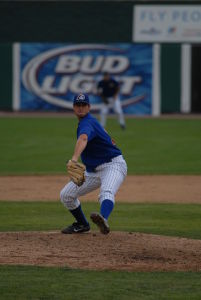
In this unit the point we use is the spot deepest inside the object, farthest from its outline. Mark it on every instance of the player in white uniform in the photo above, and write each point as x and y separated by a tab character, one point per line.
105	169
108	90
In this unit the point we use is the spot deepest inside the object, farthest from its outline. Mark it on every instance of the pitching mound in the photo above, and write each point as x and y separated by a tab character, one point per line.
116	251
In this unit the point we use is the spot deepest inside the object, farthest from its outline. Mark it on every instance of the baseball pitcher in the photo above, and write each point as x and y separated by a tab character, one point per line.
103	166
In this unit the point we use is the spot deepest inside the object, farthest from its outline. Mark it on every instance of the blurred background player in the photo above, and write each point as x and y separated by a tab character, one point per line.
108	90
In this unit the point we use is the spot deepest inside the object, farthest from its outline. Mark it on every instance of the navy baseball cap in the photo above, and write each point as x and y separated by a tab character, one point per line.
81	98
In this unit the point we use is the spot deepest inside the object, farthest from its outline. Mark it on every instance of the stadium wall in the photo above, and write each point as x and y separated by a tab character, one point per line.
6	76
91	22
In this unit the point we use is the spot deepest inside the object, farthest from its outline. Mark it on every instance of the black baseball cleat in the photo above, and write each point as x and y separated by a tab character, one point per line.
100	222
123	126
76	228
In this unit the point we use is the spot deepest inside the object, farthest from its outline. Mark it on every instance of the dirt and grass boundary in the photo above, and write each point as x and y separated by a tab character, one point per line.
117	251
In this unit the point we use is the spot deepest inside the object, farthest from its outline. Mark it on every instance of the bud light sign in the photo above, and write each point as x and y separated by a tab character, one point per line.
51	74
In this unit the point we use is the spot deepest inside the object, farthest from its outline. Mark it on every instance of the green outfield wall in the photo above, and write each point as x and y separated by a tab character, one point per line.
170	78
6	76
71	21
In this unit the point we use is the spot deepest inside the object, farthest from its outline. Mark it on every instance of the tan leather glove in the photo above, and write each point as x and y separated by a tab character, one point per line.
76	172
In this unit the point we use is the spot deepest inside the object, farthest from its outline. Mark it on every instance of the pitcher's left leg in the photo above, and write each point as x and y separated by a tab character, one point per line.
112	175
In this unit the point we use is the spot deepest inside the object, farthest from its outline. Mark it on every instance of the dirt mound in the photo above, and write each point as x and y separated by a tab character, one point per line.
116	251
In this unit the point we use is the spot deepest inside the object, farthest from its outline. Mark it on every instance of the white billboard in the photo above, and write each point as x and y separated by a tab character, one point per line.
167	23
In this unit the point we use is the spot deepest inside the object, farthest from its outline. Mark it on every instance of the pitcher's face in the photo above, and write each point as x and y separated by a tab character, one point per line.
81	109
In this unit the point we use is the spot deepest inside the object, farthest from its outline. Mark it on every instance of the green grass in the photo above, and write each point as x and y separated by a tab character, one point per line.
166	219
150	146
42	283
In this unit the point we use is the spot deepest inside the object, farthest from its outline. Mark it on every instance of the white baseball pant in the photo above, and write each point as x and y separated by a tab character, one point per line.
115	104
108	176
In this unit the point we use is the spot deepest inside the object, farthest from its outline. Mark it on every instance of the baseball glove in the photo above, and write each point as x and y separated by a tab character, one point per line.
76	172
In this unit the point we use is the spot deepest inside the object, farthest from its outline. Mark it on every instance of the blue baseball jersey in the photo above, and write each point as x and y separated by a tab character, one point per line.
108	88
100	148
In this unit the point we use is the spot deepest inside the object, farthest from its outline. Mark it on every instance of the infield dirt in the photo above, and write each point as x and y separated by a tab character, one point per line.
156	188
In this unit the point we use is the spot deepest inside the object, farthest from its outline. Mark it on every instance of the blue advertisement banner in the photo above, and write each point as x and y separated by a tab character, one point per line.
51	74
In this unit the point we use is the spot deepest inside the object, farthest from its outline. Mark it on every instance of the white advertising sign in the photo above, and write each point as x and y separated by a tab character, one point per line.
167	23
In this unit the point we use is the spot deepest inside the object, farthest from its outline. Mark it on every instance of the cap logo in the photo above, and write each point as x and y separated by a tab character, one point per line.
81	97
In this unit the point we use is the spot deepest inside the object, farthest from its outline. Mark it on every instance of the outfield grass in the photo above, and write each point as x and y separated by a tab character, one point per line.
167	219
150	146
22	283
